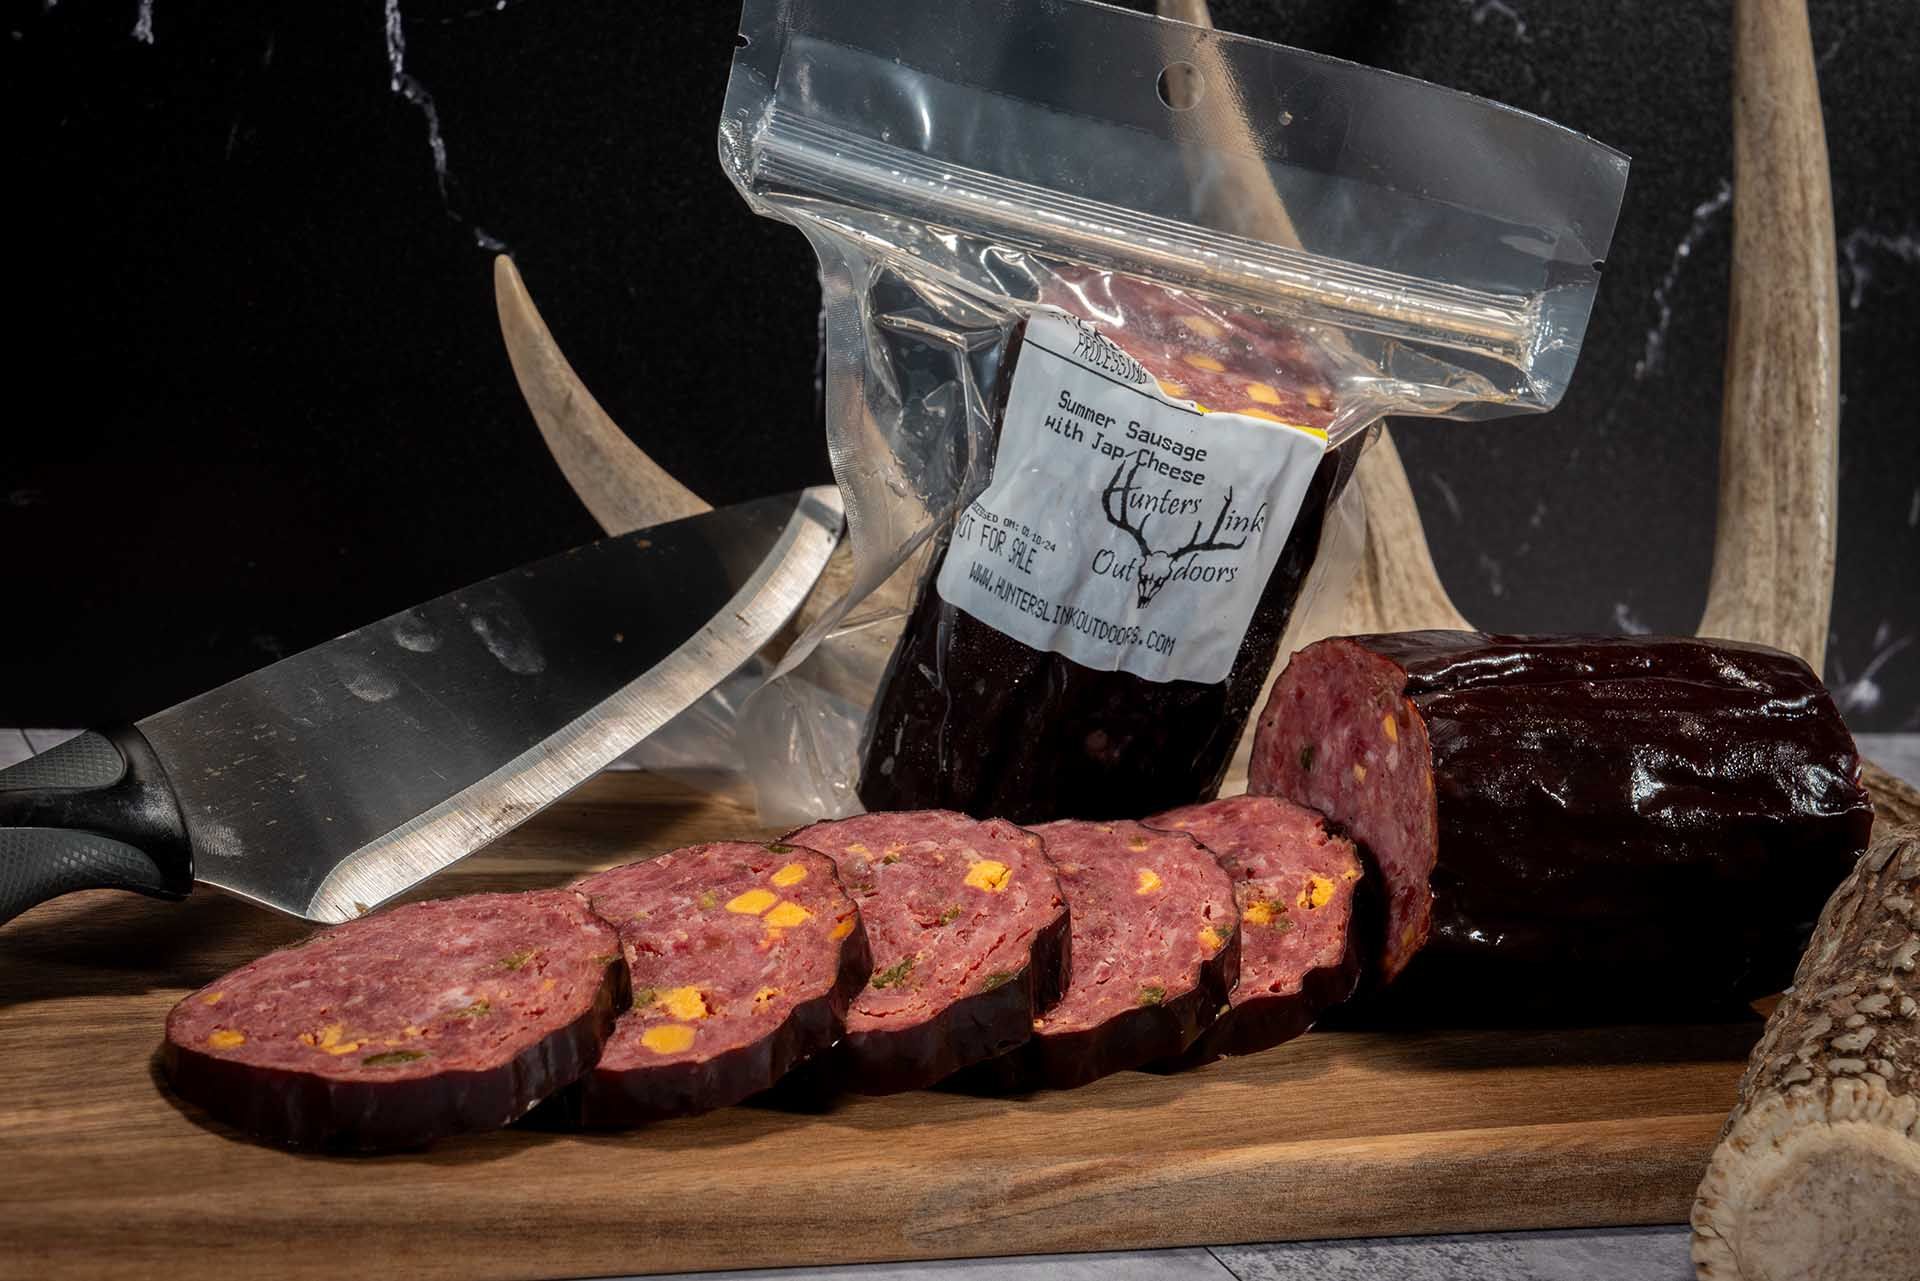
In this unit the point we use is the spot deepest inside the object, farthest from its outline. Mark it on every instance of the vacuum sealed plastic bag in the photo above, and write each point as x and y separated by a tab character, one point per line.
1110	303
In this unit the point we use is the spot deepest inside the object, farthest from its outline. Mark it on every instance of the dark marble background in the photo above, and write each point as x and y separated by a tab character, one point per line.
259	397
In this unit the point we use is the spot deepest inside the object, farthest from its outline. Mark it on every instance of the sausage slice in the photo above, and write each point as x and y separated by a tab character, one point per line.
744	958
1295	885
969	935
1156	950
424	1021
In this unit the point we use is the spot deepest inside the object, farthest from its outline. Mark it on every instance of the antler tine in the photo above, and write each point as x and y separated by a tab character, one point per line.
1242	181
622	487
1780	418
614	478
1397	587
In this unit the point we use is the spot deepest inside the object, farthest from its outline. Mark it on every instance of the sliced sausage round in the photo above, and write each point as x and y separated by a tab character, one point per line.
744	958
969	935
1295	885
427	1020
1156	950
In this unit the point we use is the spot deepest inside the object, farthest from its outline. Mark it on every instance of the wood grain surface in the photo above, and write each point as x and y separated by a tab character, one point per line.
1337	1134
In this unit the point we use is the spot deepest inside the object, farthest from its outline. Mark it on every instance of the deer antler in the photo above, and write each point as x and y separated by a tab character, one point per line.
622	487
1396	588
1773	549
1772	576
1121	521
1780	418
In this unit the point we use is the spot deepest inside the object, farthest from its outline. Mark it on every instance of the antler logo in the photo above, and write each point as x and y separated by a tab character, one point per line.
1156	568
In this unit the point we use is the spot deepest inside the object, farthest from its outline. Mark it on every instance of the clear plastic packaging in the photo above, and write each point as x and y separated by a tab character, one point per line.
1232	250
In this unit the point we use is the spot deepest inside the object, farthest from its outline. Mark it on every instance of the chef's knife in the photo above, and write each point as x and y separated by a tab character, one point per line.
335	779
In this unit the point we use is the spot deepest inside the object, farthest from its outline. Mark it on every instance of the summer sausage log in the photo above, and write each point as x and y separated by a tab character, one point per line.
428	1020
744	959
1670	811
968	718
1156	949
969	936
1295	885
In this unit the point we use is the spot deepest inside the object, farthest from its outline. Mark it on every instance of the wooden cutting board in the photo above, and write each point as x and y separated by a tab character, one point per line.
1336	1134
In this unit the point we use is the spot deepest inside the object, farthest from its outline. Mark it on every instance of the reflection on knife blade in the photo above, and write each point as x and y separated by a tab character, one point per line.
334	779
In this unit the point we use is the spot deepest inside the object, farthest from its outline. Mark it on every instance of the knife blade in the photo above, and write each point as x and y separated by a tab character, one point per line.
329	782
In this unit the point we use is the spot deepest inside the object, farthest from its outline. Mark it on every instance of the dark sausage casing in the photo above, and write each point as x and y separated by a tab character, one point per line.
1623	819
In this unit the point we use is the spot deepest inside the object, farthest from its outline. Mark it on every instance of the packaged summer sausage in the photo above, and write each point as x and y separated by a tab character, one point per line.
1110	303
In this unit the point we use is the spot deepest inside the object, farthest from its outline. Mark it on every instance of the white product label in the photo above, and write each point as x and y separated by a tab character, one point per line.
1124	529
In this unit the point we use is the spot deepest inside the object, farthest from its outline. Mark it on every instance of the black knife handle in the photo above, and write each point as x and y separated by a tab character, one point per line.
96	812
39	863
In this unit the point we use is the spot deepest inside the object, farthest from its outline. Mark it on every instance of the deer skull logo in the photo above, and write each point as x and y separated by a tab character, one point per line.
1156	567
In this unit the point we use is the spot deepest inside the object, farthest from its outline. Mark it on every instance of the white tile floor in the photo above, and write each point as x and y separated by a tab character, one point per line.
1603	1254
1138	1265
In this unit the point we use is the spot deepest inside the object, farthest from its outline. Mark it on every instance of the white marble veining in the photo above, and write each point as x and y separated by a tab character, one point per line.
1481	10
483	11
1493	572
1627	621
404	84
1862	693
408	87
1859	249
1705	214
